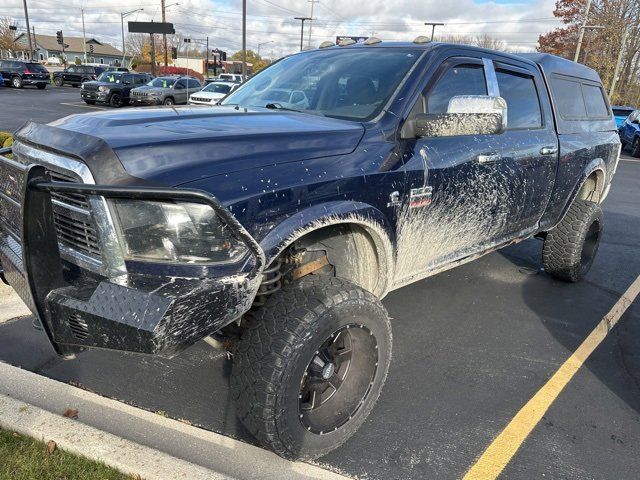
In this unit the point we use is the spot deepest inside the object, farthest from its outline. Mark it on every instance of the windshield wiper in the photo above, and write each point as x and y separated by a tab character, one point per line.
278	106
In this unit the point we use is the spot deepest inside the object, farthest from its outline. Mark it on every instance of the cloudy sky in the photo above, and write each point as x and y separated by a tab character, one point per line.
517	22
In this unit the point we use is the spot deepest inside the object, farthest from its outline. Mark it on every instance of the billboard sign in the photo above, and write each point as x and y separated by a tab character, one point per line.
151	27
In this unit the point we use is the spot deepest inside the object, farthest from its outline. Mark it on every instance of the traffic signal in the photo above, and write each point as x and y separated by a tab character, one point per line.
59	37
91	48
223	56
174	52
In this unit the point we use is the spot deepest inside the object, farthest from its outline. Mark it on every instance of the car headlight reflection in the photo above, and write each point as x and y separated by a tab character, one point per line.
178	232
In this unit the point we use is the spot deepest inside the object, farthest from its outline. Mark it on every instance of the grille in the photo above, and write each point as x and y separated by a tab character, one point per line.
78	326
200	99
73	221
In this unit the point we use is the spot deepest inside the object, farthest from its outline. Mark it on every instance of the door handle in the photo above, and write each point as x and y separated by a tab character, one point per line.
548	150
488	158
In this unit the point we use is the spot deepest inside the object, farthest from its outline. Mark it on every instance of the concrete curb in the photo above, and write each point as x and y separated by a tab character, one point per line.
75	437
135	440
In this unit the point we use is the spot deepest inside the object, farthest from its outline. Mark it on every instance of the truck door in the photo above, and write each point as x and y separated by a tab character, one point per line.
465	193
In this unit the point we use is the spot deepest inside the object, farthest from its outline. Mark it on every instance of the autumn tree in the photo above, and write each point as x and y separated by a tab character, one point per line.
253	58
7	35
601	46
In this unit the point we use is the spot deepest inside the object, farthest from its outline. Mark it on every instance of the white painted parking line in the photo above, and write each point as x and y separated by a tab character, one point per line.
632	160
82	105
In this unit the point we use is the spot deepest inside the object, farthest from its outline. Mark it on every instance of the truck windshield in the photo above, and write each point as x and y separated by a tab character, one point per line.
352	84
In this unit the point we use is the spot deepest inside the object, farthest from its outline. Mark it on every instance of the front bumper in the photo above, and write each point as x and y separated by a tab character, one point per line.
153	311
146	100
93	96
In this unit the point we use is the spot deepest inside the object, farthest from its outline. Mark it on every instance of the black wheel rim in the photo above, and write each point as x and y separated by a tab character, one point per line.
338	379
115	100
590	246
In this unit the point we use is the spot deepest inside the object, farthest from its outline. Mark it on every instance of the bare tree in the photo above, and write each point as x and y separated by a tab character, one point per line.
7	35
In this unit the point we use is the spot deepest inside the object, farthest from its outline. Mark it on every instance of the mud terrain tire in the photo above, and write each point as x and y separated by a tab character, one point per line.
274	367
569	249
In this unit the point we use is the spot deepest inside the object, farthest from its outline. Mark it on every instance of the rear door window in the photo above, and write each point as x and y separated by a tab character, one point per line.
523	106
568	98
595	102
193	83
459	80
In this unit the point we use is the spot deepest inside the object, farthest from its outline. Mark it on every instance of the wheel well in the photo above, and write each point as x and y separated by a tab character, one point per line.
346	250
592	187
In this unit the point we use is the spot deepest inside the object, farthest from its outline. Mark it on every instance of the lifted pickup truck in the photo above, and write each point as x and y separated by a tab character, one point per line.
277	228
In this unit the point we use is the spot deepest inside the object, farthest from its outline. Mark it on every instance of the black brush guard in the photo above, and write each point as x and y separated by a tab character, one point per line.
153	314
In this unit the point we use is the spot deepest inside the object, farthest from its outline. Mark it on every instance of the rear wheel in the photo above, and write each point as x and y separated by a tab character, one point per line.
310	366
58	81
570	248
16	82
635	147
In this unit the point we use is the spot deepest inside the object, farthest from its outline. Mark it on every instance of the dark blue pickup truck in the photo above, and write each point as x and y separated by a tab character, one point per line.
276	221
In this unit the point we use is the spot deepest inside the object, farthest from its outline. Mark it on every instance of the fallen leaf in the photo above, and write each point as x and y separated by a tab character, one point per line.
51	447
71	413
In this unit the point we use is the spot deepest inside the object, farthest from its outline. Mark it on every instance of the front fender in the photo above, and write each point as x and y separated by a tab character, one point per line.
334	213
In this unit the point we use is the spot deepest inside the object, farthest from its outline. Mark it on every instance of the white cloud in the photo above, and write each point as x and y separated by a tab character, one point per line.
518	24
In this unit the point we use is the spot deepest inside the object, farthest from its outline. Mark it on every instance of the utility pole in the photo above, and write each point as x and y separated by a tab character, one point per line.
619	62
26	20
153	54
582	28
433	27
244	40
84	37
302	20
164	35
206	65
312	2
35	54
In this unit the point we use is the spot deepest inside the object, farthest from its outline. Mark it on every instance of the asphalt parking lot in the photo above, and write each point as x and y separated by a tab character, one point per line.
471	347
29	103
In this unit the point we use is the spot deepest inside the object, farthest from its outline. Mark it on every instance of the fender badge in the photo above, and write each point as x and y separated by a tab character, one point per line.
420	197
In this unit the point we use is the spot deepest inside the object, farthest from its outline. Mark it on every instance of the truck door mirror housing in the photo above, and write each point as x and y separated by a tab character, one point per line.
466	115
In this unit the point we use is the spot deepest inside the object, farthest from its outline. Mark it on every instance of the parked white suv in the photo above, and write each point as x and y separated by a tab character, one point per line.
212	93
230	77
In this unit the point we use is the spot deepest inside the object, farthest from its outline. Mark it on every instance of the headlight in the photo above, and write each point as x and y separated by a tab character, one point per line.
102	88
82	86
178	232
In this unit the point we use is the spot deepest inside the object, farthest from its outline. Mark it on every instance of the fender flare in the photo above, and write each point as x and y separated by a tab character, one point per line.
372	220
594	166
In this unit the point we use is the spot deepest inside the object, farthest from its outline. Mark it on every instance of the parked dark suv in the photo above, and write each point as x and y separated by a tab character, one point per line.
18	74
113	88
76	75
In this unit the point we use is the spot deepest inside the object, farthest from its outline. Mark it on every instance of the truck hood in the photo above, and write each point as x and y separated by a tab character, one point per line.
172	146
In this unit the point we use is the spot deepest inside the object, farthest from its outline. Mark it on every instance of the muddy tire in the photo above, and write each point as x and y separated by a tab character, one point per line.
635	147
569	249
310	366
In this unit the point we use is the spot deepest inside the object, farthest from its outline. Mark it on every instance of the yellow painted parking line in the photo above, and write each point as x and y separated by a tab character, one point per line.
500	452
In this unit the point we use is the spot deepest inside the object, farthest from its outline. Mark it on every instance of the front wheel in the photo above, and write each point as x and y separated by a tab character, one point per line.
570	248
58	81
168	101
310	366
115	100
41	86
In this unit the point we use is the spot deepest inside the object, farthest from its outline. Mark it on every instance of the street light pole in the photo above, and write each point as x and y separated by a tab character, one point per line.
263	43
302	20
582	28
122	15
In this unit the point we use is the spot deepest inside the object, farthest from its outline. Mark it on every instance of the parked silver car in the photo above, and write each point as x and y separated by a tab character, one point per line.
169	90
